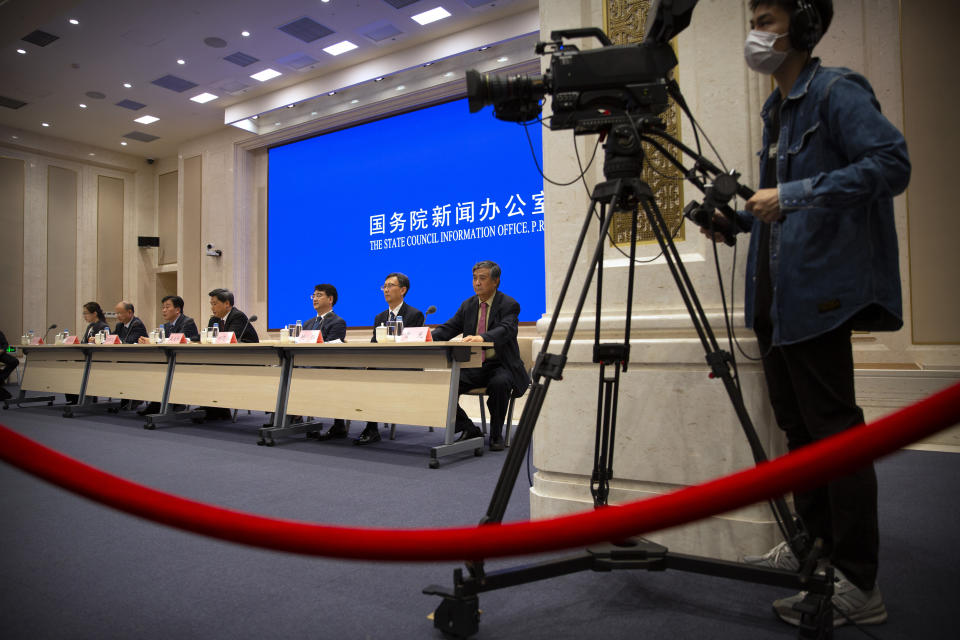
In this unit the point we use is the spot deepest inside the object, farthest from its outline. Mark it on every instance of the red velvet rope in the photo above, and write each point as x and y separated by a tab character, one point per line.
803	468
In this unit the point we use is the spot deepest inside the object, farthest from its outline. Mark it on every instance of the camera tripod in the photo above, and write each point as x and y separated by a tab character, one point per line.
624	190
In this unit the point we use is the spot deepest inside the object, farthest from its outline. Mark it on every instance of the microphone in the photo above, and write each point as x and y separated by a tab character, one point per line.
47	332
430	309
252	318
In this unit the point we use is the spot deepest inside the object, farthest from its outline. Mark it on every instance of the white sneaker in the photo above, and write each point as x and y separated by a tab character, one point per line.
780	557
850	604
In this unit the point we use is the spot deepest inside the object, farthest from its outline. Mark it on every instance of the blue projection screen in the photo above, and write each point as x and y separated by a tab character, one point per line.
427	193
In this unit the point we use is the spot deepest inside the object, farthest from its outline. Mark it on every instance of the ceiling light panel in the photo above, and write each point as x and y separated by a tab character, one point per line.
146	119
431	16
204	98
340	47
265	75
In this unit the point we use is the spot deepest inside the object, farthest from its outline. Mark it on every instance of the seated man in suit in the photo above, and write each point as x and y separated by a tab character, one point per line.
130	328
331	326
395	288
229	318
489	316
174	321
9	365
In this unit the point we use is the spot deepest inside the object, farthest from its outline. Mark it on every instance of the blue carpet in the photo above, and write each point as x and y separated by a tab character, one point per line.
70	568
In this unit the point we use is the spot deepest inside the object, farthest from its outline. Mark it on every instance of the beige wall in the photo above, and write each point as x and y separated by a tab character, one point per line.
11	256
62	199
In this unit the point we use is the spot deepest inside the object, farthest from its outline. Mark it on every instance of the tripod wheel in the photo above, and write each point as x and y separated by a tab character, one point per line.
458	617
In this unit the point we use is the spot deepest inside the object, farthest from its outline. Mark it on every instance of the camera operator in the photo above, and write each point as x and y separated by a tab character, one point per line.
823	261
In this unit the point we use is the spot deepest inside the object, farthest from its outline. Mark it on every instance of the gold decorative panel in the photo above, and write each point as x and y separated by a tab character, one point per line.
624	22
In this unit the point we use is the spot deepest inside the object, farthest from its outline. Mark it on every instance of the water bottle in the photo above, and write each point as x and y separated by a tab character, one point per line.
30	337
399	326
299	329
215	331
161	334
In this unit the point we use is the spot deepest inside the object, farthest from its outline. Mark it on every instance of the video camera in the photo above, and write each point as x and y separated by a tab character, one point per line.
596	89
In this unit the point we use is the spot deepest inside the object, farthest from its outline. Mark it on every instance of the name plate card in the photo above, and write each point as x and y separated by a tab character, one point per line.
225	337
415	334
71	340
36	340
176	338
112	339
312	336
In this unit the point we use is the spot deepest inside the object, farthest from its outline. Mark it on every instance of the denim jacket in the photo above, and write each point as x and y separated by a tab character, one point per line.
833	255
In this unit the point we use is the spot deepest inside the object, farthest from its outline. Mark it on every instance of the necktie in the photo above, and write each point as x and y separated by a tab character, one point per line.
393	316
482	328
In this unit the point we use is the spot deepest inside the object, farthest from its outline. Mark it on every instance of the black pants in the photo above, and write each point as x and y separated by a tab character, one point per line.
811	390
496	378
9	364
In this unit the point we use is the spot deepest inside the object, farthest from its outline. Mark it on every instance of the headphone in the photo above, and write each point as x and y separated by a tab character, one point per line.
806	26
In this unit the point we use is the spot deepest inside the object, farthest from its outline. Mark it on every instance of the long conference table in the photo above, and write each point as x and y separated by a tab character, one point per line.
400	383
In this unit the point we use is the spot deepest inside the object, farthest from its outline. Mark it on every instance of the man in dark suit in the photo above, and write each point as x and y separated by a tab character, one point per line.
229	318
171	310
130	328
174	321
332	327
395	288
489	316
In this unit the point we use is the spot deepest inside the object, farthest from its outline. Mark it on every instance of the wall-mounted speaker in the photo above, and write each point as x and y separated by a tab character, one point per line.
148	241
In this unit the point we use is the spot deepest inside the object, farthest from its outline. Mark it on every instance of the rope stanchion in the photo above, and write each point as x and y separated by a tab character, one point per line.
804	468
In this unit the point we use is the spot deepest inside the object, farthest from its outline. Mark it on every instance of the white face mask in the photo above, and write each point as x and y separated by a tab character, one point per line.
759	53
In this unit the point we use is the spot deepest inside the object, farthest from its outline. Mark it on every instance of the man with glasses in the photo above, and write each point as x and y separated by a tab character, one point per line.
395	288
332	327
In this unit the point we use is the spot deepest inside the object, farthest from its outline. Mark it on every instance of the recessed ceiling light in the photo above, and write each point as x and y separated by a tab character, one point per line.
21	51
203	98
340	47
378	79
331	93
448	74
291	106
146	119
276	124
74	21
265	75
502	59
245	34
483	48
91	154
15	137
181	61
428	64
123	144
254	117
313	113
127	85
431	16
45	124
401	88
83	106
354	101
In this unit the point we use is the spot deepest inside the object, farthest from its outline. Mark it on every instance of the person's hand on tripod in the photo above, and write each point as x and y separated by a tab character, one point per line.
720	227
765	205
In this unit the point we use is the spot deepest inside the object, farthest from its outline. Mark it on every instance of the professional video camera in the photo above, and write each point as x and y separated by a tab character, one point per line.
596	89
